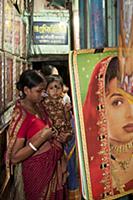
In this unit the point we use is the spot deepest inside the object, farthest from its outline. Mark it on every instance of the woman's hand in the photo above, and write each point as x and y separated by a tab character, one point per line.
63	137
20	152
47	133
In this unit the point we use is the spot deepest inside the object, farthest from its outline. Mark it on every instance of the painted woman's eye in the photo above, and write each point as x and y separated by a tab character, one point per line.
117	102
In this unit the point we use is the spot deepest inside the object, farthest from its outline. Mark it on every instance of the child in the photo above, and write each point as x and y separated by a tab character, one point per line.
66	98
58	111
58	106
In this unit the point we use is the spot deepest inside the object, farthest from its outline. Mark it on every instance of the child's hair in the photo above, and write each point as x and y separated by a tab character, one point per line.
52	78
47	70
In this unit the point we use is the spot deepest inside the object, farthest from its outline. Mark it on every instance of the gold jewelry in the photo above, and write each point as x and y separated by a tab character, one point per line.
121	148
124	164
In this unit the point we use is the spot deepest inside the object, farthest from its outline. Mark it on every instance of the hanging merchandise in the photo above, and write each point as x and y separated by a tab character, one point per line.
8	79
111	23
8	26
97	36
83	28
2	82
16	33
1	23
23	39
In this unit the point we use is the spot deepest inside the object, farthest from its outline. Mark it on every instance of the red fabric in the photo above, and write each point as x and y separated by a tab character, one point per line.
38	172
91	118
31	124
43	175
35	126
128	187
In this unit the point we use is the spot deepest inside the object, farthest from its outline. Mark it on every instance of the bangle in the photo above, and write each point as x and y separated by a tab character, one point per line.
32	146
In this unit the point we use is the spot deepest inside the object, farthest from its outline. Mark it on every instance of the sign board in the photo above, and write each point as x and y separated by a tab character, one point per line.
51	32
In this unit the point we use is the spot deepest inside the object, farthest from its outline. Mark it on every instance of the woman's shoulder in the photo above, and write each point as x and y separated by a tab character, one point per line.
21	120
18	111
18	117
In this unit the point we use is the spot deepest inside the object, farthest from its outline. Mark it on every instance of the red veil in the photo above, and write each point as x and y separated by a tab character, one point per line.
96	132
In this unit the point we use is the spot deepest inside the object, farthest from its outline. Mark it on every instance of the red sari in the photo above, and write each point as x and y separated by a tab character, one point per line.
44	175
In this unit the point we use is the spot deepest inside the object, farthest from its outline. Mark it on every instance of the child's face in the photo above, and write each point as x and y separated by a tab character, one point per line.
54	89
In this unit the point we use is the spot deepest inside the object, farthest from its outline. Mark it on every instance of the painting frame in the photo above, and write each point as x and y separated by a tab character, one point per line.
77	79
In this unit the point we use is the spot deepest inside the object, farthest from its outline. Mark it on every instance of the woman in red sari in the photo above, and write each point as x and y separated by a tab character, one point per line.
108	118
37	162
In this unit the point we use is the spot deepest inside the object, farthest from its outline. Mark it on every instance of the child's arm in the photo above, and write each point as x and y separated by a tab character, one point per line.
68	108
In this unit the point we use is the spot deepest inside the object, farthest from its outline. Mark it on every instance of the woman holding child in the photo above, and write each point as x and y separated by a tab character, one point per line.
31	149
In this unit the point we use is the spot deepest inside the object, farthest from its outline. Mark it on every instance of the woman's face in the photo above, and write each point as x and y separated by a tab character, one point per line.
119	114
35	93
54	89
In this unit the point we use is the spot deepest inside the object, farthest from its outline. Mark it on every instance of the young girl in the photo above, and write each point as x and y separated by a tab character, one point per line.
58	111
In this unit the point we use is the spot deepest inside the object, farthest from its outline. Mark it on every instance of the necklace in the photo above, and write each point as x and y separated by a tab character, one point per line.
124	164
121	148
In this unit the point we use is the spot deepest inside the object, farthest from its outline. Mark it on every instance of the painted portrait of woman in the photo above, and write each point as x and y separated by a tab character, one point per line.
108	121
119	111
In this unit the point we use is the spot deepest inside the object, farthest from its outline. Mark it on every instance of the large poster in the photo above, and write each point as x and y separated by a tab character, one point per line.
3	142
18	72
23	40
1	22
103	118
8	79
16	33
8	26
2	72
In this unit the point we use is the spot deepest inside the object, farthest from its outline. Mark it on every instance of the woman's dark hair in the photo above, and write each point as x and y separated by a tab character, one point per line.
112	70
30	79
46	70
54	77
